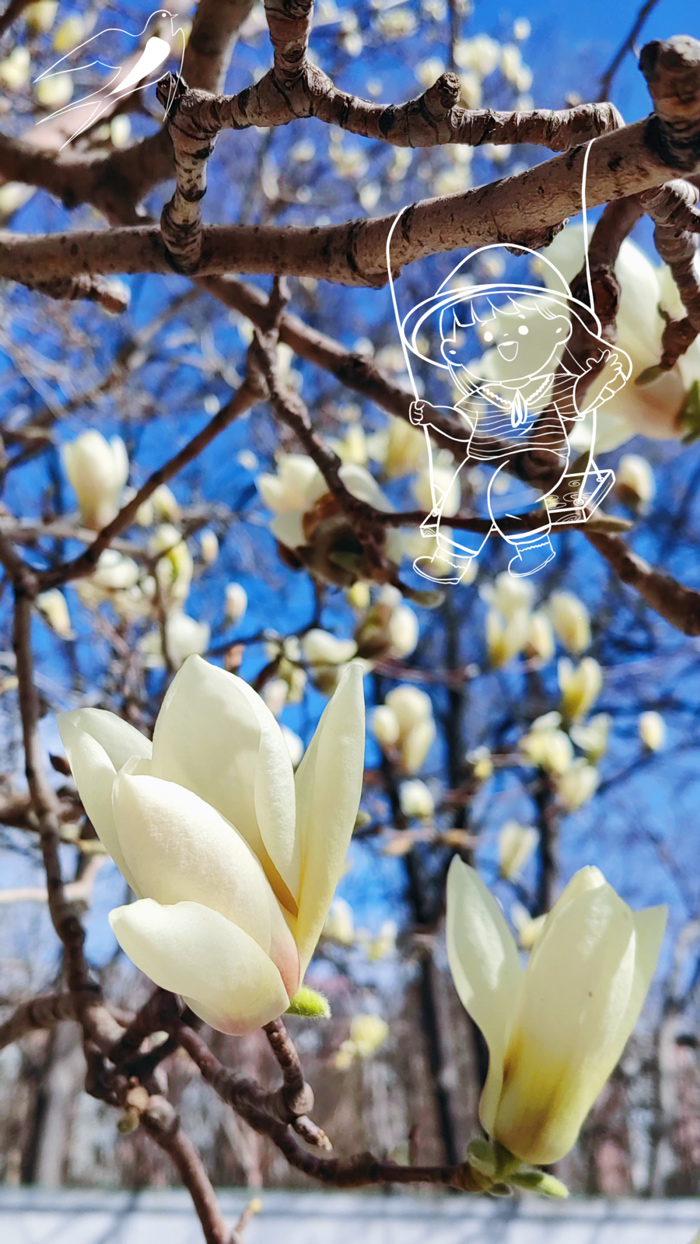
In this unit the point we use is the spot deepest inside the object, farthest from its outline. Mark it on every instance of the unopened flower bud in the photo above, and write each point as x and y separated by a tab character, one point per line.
652	730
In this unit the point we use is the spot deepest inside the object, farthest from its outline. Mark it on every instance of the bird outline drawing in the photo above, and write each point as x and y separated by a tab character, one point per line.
134	64
517	389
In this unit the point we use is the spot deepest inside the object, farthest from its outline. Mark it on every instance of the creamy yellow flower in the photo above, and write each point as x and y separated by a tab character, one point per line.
98	470
412	712
556	1030
505	639
540	637
577	785
184	637
516	844
652	730
580	686
570	621
236	599
233	858
54	608
416	799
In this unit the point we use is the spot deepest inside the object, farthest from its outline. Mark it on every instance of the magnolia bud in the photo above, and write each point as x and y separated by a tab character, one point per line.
635	480
515	846
415	799
55	91
209	547
577	785
592	737
505	639
340	923
184	637
579	685
68	34
570	621
403	631
481	762
319	647
540	637
236	602
54	607
41	16
295	746
15	69
385	726
527	927
548	749
652	730
98	471
510	596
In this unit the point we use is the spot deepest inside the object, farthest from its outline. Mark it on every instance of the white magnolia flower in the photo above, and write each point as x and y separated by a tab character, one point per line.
652	730
319	647
546	746
233	858
405	722
400	449
527	927
388	629
592	737
577	785
580	686
511	597
98	470
516	844
447	486
505	638
540	637
41	15
556	1030
184	637
321	534
654	409
161	507
570	621
416	799
174	570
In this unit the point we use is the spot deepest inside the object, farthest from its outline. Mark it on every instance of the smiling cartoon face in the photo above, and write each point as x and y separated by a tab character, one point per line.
519	339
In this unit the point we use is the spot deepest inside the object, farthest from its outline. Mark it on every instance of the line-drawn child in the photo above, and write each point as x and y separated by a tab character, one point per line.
522	396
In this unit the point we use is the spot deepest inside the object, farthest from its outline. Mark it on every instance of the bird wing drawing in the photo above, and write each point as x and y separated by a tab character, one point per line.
134	65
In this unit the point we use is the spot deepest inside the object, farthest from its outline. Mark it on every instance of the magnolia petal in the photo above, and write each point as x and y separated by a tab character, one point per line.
97	744
328	791
179	849
649	928
224	975
565	1036
288	528
485	967
216	736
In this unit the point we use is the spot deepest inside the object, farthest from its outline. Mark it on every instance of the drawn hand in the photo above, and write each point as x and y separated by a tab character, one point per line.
416	412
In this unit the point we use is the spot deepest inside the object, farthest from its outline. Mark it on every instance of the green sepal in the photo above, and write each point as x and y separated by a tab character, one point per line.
539	1181
309	1003
481	1157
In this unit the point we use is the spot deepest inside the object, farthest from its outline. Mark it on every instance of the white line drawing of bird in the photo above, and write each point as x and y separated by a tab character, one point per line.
141	68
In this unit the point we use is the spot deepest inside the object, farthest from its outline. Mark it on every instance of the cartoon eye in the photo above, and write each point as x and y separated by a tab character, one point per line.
488	336
559	330
523	330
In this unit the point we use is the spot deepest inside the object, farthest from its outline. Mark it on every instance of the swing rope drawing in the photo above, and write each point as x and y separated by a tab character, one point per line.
529	404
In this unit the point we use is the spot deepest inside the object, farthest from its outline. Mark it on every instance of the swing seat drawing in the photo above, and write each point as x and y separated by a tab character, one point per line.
580	494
